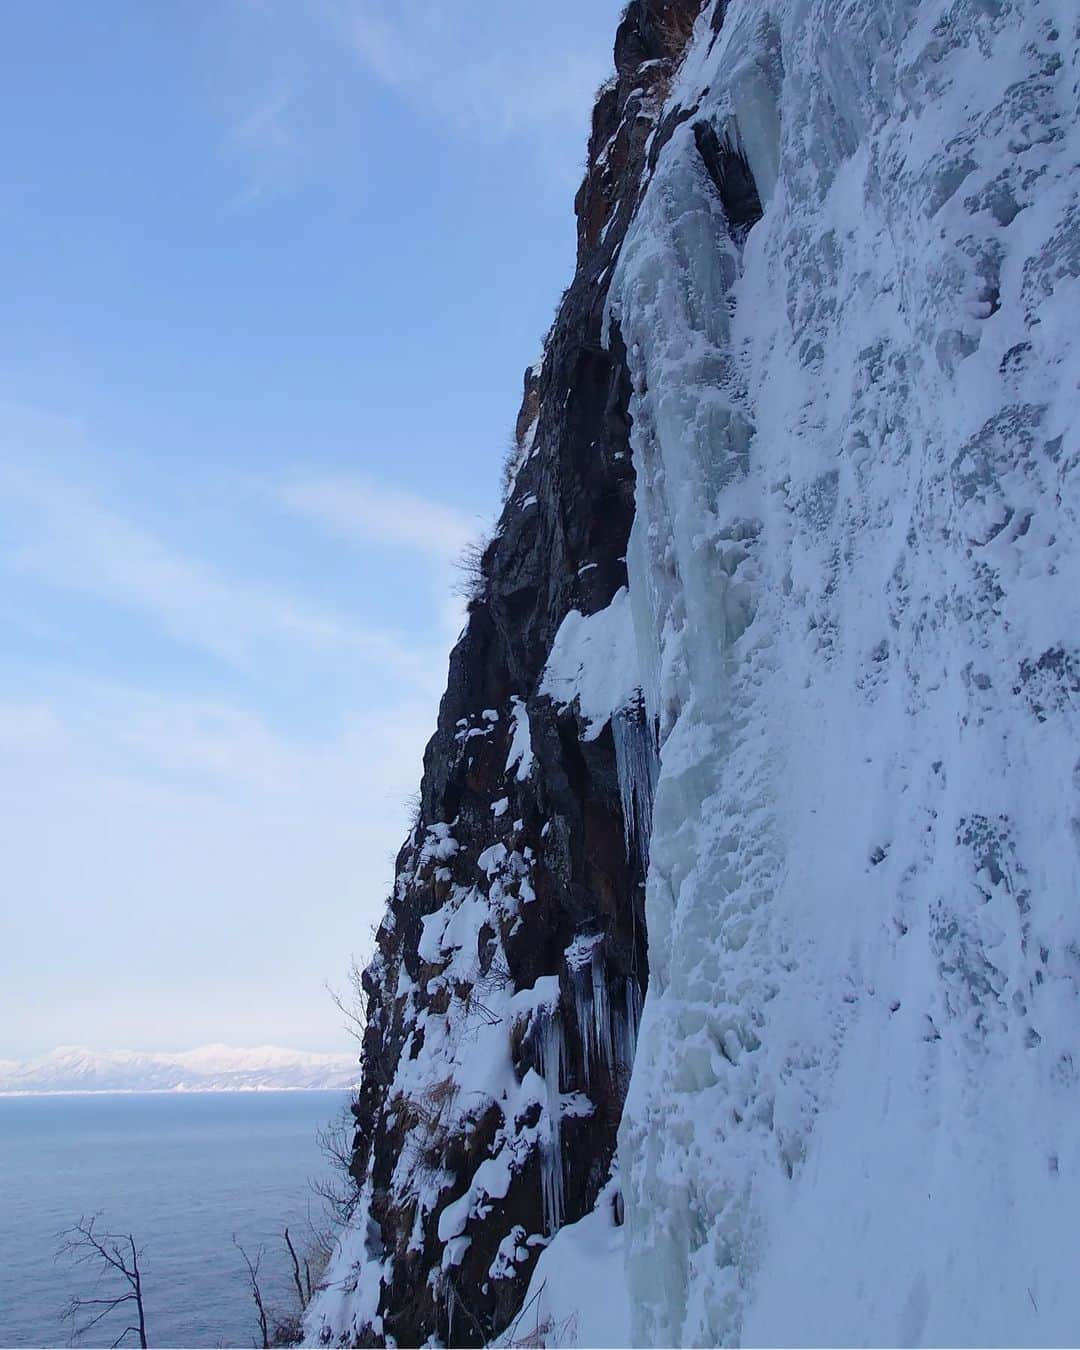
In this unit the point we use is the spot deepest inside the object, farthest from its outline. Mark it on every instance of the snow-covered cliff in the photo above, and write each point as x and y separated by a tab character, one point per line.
837	282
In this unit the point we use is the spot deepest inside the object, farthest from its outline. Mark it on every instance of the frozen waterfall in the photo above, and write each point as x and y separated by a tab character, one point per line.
855	581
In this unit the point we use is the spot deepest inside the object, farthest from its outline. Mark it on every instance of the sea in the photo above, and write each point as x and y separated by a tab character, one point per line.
185	1174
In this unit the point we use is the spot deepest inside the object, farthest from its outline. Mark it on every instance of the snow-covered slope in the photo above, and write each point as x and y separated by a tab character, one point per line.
840	300
210	1068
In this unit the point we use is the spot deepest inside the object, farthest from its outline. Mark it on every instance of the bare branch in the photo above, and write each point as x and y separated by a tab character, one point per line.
296	1271
82	1244
342	1200
256	1292
352	1004
340	1190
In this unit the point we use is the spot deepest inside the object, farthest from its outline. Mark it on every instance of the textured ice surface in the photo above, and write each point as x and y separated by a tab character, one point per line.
855	581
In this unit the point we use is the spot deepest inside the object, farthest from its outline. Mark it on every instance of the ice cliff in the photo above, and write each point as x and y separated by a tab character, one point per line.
780	628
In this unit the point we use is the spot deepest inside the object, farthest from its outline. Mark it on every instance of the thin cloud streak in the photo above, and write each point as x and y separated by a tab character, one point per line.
489	76
364	511
267	138
147	742
66	537
481	73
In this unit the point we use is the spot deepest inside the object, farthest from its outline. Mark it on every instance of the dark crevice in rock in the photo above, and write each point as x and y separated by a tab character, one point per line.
730	172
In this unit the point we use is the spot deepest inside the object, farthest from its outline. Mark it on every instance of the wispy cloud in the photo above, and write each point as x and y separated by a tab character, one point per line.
67	537
483	68
267	138
364	511
480	71
145	741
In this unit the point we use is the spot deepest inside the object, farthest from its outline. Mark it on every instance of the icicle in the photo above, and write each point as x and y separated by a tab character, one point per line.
601	1012
637	768
608	1034
626	1025
585	961
552	1181
583	1011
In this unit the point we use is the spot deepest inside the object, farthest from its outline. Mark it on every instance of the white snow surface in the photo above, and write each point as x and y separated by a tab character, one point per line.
578	1294
855	578
209	1068
520	756
593	662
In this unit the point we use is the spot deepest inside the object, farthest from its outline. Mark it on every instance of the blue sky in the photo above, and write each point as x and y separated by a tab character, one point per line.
272	272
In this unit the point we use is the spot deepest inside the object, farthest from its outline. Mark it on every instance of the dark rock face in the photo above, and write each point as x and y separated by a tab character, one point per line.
516	924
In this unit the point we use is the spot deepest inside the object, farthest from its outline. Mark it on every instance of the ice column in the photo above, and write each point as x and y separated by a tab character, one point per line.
598	1023
626	1025
552	1181
637	768
581	979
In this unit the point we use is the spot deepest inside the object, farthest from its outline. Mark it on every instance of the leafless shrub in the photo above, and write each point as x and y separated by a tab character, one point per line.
352	1002
606	85
116	1256
339	1190
535	1339
442	1094
301	1296
285	1326
318	1249
425	1122
256	1291
475	1006
675	28
456	1303
495	978
435	1104
471	581
511	463
413	807
548	1334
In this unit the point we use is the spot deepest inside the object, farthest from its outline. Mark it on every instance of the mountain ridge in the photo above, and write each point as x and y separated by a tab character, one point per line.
207	1068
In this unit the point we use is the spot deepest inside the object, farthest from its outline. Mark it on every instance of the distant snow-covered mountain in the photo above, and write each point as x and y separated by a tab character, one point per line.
209	1068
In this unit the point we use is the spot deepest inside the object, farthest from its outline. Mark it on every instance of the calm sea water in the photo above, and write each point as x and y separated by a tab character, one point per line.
183	1174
